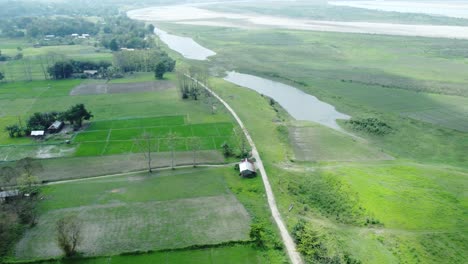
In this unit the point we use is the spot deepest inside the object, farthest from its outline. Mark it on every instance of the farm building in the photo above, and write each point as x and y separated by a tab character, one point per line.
37	133
7	195
90	73
55	127
247	168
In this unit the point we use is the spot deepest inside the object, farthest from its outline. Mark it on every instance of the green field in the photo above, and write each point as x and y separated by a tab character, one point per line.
218	255
127	114
35	61
118	136
141	212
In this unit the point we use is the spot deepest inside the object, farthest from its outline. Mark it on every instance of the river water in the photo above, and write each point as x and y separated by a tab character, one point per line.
187	47
300	105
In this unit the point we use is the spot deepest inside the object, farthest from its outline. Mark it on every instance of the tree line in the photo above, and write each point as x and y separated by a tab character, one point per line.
75	116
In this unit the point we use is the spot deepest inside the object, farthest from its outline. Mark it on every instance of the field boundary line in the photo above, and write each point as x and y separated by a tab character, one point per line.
294	256
138	171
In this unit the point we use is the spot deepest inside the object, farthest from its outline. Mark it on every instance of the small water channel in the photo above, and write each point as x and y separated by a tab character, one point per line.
187	47
298	104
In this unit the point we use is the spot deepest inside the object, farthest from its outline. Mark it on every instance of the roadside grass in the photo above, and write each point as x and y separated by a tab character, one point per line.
165	210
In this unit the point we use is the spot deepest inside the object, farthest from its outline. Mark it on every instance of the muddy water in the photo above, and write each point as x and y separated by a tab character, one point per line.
187	47
298	104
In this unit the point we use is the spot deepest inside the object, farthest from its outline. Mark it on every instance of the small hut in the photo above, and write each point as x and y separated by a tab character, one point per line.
55	127
37	133
5	196
247	168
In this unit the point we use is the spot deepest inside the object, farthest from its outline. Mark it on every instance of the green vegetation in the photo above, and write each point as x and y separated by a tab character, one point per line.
207	213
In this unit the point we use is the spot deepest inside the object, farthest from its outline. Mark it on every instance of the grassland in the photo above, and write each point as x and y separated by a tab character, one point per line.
16	70
416	201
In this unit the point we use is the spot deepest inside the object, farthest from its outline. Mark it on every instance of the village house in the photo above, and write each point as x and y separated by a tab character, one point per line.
56	127
5	196
247	168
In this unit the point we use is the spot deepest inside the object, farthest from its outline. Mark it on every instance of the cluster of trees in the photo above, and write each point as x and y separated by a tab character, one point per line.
19	212
242	149
143	61
18	56
371	125
122	32
75	115
38	27
67	68
188	86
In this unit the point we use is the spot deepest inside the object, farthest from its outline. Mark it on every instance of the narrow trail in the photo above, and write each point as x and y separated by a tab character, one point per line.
138	171
294	256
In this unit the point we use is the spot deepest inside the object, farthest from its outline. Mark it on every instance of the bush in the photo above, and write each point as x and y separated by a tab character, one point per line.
370	125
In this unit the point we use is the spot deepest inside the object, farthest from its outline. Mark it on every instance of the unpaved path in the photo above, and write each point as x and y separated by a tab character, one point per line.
294	256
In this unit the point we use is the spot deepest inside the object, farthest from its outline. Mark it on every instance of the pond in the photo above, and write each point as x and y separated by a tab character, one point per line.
186	46
298	104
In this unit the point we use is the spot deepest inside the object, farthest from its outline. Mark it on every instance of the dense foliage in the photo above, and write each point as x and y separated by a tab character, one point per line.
143	60
65	69
370	125
318	247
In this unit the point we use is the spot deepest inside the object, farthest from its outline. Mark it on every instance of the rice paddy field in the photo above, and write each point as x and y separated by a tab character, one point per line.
118	136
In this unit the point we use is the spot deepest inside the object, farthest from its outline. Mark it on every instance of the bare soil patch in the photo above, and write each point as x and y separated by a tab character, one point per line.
112	88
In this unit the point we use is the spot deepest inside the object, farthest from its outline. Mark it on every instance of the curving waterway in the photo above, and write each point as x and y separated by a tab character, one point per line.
185	46
300	105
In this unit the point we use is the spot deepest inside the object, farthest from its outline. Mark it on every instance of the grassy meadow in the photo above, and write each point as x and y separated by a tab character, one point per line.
397	198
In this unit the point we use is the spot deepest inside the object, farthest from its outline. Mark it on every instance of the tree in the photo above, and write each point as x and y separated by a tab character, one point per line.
147	144
257	234
239	138
76	114
151	28
7	176
2	76
195	145
69	234
227	151
61	70
160	70
27	168
172	141
114	45
14	130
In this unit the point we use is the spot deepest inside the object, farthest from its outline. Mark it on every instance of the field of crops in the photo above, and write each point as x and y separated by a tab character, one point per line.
169	209
118	136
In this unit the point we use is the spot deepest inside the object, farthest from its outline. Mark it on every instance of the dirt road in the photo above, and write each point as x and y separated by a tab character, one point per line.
294	256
